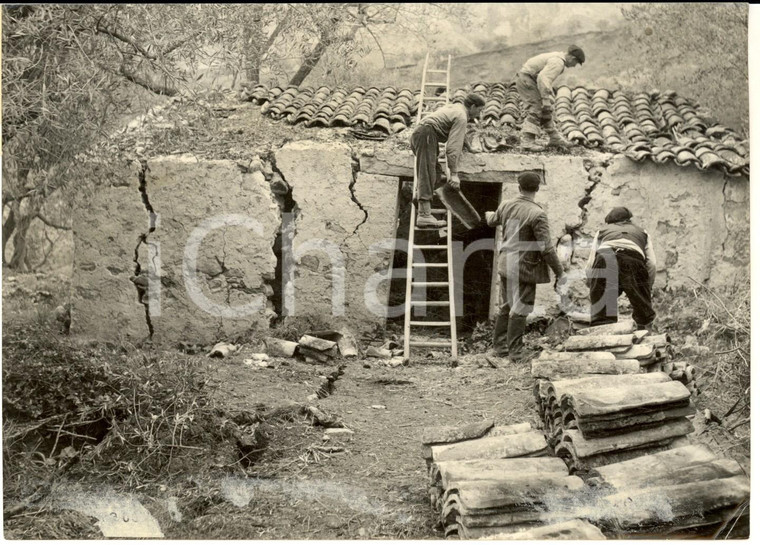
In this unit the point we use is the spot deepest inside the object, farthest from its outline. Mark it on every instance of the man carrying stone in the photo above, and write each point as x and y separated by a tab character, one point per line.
446	124
525	254
622	260
534	83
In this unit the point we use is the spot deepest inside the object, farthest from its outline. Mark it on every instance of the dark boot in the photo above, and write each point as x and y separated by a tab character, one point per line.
649	327
500	342
515	332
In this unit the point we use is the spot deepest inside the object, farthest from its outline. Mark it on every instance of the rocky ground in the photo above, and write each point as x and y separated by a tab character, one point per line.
256	459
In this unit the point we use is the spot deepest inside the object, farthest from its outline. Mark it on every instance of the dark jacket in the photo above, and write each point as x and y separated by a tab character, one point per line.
526	245
624	230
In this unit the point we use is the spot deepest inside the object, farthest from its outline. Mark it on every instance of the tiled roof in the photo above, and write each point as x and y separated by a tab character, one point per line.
659	126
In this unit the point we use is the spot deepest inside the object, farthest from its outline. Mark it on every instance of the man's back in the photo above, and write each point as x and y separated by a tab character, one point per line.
446	118
534	65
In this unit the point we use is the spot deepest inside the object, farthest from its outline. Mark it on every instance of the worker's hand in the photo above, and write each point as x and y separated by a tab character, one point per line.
547	103
490	218
454	182
562	286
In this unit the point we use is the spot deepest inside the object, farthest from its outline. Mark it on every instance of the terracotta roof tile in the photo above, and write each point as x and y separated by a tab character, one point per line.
661	126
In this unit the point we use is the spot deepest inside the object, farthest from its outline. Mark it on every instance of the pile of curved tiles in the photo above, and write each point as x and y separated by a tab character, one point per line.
488	480
682	492
658	126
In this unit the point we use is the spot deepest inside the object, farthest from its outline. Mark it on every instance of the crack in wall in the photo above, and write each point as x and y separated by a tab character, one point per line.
351	188
141	278
282	247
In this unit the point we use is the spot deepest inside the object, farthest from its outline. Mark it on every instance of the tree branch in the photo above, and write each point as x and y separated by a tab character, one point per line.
141	81
49	223
179	43
127	40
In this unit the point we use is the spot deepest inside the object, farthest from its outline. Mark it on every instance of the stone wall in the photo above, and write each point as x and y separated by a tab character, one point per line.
107	224
337	218
129	279
339	234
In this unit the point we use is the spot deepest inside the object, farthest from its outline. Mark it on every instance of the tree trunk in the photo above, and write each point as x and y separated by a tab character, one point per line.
18	259
253	38
310	62
8	227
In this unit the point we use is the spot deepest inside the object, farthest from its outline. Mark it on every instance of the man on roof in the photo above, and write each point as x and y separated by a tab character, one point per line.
446	124
534	83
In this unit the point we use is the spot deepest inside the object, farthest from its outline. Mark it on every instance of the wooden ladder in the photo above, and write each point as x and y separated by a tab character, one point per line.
416	266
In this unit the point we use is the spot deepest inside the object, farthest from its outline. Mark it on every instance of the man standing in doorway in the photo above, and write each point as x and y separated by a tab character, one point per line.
534	83
525	255
447	124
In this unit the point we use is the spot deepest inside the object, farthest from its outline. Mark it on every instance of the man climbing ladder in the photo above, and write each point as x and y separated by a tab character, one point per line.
447	124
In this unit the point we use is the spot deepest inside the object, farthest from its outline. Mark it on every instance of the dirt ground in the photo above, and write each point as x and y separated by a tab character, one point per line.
377	486
303	486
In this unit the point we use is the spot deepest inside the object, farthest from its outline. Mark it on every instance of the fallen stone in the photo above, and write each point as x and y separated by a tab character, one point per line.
338	432
315	343
396	361
314	355
378	407
374	352
328	335
222	350
280	348
347	345
259	357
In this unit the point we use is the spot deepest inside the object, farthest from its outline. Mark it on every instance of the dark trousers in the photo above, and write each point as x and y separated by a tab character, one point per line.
517	300
616	272
424	143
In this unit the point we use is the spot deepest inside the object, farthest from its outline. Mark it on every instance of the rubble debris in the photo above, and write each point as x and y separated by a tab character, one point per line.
316	348
382	353
222	350
339	434
347	345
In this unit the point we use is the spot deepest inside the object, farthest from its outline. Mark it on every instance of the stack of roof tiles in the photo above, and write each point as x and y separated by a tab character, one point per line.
598	406
490	480
658	126
703	494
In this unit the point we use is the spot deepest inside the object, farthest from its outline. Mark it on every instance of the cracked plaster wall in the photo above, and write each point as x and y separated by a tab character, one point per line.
106	228
698	231
235	265
700	221
341	210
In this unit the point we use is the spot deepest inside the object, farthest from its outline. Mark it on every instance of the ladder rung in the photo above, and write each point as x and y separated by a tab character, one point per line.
430	303
438	211
430	324
429	246
429	343
430	264
431	71
435	99
437	83
431	284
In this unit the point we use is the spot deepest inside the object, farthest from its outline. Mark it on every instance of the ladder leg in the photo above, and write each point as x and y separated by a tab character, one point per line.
452	305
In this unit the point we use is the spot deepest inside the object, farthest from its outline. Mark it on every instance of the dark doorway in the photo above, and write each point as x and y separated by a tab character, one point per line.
477	267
